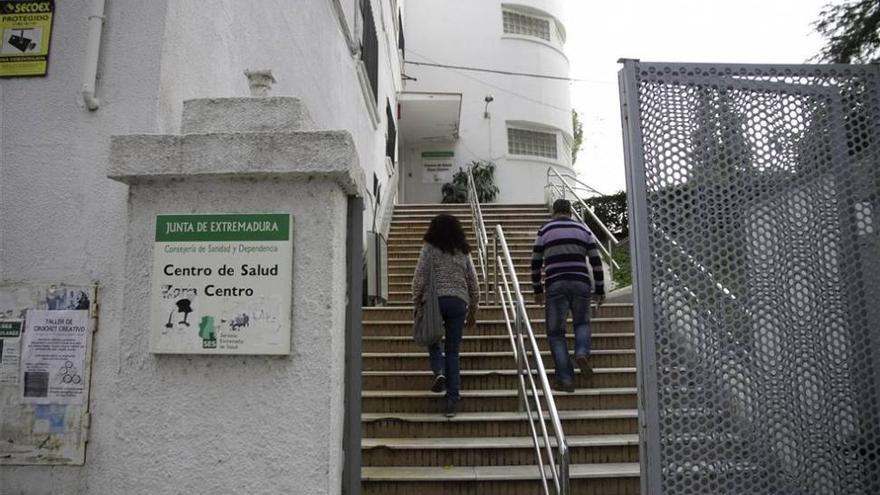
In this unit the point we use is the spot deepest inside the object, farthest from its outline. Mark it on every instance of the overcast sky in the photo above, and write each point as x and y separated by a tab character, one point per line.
600	32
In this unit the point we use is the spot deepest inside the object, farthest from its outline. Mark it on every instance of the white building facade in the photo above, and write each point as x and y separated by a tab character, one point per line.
170	424
445	117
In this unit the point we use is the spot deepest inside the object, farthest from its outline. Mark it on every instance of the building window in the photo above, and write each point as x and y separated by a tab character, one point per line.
400	39
516	23
370	48
566	150
531	143
391	139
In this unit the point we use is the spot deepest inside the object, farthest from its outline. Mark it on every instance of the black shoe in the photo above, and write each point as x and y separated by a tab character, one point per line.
583	363
451	408
439	384
563	387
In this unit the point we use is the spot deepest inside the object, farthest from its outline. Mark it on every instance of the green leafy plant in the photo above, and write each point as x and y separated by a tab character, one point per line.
484	182
578	129
611	210
623	275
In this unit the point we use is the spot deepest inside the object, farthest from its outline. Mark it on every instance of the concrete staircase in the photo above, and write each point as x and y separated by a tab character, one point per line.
409	447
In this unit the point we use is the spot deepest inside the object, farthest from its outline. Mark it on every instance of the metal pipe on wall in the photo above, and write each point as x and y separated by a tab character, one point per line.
93	50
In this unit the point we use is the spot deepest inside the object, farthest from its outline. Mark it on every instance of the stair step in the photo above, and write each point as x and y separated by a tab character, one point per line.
503	451
398	361
443	206
495	442
576	471
511	231
507	223
475	394
406	274
487	212
403	328
495	312
536	218
500	342
468	424
405	298
412	233
584	399
586	479
413	248
491	379
520	263
465	215
413	251
416	242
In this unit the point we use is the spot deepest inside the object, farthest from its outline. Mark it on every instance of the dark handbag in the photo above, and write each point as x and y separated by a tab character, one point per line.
428	322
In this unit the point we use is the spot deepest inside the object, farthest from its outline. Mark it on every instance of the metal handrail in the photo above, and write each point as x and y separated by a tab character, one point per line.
566	187
576	181
382	219
515	309
479	228
551	172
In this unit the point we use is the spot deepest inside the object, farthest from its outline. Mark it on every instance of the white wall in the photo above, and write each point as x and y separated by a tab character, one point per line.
61	219
468	33
302	43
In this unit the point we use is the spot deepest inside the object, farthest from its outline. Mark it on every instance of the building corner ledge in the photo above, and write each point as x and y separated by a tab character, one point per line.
139	159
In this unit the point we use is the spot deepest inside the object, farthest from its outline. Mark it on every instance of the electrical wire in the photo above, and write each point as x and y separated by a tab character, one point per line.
494	86
504	72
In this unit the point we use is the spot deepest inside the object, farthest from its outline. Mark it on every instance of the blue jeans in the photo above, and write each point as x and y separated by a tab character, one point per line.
562	296
454	312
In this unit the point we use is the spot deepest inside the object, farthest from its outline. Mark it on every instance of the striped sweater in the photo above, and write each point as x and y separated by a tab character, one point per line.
562	248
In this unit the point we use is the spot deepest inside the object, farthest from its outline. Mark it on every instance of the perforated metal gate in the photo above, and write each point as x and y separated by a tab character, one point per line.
755	213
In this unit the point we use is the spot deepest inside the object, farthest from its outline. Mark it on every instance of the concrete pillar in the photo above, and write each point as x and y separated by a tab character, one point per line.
221	423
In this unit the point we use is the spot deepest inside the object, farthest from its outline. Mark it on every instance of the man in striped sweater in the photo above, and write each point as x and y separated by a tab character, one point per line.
562	248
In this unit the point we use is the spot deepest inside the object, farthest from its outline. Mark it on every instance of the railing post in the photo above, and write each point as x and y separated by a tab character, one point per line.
520	358
495	266
564	461
485	274
610	263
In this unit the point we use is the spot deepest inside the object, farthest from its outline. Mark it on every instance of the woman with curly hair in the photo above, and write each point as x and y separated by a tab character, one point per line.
447	252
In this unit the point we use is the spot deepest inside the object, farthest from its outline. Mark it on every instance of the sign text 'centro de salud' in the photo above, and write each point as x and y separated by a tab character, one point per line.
221	284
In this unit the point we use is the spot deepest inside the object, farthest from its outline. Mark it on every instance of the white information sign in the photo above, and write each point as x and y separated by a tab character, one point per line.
10	351
221	284
54	356
437	167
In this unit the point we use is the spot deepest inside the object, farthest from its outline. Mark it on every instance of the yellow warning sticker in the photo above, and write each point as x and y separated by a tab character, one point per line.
26	27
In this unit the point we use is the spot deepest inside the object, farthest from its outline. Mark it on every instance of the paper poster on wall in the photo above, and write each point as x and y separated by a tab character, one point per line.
54	356
46	330
437	167
26	27
221	284
10	351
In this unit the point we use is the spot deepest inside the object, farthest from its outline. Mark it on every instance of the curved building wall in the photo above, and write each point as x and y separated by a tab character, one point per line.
472	34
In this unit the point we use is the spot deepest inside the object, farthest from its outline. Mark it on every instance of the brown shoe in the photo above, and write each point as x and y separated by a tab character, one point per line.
563	387
583	363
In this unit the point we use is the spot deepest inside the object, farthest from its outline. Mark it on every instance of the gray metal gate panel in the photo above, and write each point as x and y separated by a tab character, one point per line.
754	197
